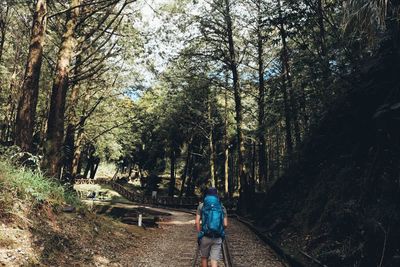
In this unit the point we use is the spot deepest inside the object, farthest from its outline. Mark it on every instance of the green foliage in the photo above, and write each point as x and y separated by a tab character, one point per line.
20	184
144	92
367	19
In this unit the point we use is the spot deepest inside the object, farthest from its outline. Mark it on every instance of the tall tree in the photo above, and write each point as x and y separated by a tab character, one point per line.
287	86
226	139
262	157
211	139
91	54
55	125
3	27
171	186
26	111
233	66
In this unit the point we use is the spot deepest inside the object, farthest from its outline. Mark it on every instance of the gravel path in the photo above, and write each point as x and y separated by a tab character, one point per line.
174	244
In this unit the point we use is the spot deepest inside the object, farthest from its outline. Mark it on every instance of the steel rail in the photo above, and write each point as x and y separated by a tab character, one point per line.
226	253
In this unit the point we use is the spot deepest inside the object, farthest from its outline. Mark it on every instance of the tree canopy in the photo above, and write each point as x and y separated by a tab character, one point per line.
230	88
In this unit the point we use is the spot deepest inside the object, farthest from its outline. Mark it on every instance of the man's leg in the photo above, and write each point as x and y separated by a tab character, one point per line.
205	247
215	252
204	262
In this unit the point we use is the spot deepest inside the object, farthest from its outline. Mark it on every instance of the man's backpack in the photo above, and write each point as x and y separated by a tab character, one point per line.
212	216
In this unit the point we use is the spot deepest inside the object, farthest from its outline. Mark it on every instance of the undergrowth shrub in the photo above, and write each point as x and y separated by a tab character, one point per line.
23	184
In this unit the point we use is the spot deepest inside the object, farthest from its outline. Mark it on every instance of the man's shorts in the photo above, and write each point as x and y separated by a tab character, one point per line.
211	248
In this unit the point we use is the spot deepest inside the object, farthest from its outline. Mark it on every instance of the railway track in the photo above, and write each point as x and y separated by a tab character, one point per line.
226	259
226	254
186	257
241	248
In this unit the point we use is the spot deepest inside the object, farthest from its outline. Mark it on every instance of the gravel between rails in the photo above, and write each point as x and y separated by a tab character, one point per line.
247	249
174	244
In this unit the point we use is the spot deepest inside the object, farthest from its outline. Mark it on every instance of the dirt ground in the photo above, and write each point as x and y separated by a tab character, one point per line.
69	239
46	237
82	238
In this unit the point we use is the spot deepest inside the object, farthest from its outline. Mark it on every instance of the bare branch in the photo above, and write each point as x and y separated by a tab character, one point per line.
78	6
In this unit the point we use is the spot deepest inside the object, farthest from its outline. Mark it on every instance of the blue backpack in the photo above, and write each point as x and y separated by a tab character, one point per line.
212	216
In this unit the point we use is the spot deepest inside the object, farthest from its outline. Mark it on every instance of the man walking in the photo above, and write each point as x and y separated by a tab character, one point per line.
211	221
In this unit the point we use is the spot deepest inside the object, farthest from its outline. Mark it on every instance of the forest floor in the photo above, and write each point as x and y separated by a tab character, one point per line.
47	237
68	239
44	235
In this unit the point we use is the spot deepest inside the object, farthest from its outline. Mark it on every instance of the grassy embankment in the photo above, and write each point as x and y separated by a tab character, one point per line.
35	228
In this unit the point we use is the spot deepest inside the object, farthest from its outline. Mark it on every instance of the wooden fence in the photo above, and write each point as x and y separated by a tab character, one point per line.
184	202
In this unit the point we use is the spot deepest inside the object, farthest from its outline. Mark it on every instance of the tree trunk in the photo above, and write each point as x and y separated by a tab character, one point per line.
252	184
262	167
321	26
288	126
69	149
290	109
190	177
10	125
277	153
323	53
226	172
226	143
271	162
287	75
171	187
42	123
76	162
90	150
81	128
238	99
234	177
211	143
214	182
95	166
73	121
11	105
7	115
55	125
186	168
26	112
3	30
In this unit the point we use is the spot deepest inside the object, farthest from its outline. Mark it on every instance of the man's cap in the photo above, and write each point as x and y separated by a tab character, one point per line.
212	191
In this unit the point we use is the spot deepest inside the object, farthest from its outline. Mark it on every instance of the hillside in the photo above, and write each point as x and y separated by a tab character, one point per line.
41	224
340	201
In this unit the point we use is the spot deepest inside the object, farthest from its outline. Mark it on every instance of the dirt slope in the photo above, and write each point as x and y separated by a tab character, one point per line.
48	238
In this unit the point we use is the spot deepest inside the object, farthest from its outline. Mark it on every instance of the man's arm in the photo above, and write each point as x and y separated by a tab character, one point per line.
198	217
225	217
